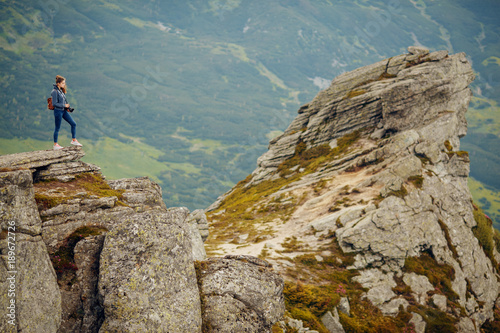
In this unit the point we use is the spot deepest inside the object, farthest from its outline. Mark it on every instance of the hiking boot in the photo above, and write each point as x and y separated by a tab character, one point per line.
57	147
75	142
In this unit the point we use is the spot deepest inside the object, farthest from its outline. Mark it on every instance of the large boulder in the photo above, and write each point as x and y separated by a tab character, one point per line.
240	294
147	279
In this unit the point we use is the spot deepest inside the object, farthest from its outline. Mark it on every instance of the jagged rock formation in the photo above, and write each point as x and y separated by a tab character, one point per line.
109	256
394	95
373	165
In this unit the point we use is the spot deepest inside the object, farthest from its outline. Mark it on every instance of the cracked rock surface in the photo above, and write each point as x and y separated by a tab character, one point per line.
240	294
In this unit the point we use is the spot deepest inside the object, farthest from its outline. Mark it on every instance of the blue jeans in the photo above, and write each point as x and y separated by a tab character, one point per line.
58	116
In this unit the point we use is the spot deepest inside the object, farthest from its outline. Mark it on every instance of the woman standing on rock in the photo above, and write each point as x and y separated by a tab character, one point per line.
61	111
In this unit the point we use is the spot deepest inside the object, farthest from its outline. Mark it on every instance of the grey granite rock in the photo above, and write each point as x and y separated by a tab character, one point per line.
332	322
429	150
418	50
379	284
198	216
410	109
34	160
87	255
147	279
392	307
418	322
65	171
466	325
240	294
295	325
415	91
137	275
26	274
440	301
344	306
82	311
420	285
198	227
140	193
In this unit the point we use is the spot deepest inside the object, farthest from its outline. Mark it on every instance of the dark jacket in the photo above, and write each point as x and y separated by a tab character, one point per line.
58	98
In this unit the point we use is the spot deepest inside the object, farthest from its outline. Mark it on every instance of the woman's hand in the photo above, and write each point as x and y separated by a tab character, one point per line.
66	105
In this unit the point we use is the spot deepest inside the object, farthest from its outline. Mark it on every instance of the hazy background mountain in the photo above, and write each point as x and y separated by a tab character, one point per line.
190	92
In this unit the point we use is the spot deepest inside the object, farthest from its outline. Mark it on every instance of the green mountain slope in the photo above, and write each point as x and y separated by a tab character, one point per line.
205	84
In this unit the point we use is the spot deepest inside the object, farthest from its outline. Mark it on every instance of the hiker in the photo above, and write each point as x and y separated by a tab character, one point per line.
61	111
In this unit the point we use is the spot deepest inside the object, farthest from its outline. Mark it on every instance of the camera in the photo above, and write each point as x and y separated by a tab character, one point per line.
70	109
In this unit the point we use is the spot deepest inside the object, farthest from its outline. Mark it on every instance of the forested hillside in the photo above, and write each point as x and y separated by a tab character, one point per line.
190	92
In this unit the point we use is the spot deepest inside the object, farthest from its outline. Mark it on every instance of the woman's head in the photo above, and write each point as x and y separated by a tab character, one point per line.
61	83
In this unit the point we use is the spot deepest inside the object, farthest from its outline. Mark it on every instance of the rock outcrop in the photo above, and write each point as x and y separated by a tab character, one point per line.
370	173
107	256
361	204
28	285
393	95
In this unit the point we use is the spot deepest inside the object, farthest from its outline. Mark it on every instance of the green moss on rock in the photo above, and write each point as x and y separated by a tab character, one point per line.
448	145
83	185
354	93
417	181
439	275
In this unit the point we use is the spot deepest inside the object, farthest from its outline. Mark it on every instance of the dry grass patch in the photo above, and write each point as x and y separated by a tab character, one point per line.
318	286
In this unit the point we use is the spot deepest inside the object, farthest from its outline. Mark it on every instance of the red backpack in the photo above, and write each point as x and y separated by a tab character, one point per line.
49	103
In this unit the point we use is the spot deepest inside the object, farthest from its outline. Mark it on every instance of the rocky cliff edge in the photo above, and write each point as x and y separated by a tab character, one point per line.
363	205
82	254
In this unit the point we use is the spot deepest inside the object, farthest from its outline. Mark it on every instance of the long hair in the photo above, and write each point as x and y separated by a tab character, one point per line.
60	79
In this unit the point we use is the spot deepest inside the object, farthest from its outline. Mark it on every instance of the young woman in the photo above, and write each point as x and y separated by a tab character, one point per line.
61	111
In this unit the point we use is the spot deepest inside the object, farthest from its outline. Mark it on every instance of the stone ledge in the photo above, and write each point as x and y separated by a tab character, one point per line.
42	158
